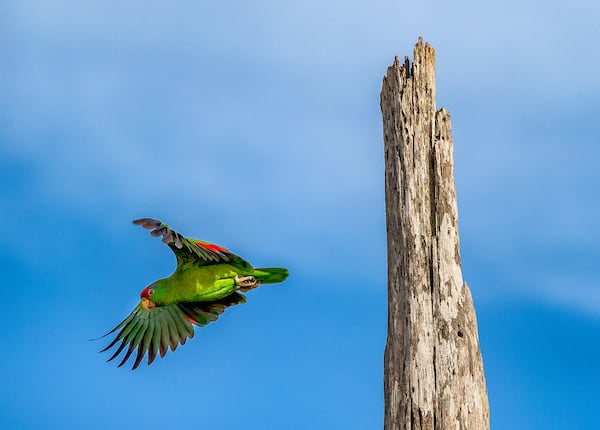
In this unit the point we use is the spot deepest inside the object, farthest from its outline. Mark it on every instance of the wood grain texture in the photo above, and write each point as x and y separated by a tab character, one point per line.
433	368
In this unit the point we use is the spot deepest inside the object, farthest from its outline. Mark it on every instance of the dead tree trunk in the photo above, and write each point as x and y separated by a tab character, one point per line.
433	368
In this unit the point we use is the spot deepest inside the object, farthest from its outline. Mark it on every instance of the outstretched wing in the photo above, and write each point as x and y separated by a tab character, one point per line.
187	249
154	330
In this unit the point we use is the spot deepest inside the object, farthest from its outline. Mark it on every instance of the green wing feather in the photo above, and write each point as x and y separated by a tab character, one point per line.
188	249
152	331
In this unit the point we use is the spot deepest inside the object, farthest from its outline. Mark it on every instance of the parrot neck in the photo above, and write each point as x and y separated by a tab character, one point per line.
161	292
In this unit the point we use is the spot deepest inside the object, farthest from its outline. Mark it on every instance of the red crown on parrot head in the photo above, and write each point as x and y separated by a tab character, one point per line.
145	292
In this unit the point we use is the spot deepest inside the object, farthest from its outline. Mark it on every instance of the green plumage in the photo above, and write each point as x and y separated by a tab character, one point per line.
205	283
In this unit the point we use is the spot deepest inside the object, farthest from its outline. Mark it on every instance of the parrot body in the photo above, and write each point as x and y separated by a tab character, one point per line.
193	283
206	282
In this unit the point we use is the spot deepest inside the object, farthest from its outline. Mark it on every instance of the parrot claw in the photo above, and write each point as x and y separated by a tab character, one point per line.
246	283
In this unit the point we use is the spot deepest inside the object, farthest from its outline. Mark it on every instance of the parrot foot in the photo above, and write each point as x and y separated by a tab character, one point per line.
246	283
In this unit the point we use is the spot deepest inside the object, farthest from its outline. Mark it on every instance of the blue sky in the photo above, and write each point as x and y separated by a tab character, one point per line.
257	126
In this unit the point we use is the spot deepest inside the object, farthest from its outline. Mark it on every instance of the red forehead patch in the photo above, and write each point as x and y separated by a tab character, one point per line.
144	292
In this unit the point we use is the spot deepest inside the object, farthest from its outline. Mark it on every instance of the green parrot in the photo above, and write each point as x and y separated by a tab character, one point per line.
207	281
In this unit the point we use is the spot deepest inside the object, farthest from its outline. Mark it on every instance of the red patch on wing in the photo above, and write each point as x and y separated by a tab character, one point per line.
192	320
212	247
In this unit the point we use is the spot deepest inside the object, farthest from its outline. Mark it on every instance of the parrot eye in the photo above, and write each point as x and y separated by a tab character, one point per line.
150	291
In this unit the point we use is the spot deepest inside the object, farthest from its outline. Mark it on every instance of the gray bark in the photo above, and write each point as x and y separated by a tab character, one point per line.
433	368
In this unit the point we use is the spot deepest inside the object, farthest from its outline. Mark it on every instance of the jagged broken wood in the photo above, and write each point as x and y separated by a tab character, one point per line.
433	368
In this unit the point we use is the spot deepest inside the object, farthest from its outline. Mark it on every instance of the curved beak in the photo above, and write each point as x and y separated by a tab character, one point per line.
147	303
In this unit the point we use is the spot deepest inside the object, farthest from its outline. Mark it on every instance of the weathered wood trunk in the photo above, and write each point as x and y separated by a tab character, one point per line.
433	368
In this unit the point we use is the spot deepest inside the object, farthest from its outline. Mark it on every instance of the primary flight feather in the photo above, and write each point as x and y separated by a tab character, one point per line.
207	281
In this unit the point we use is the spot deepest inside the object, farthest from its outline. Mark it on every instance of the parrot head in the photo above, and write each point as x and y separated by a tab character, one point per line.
154	294
146	296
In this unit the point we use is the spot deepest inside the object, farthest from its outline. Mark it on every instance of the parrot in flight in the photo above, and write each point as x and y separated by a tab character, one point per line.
208	279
